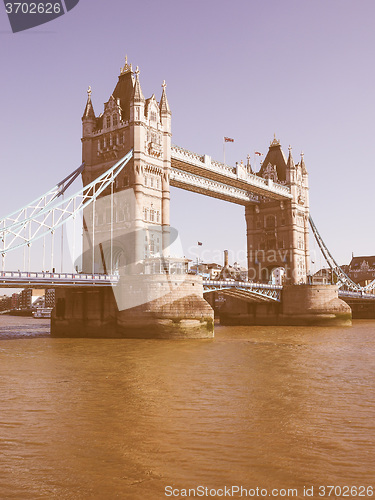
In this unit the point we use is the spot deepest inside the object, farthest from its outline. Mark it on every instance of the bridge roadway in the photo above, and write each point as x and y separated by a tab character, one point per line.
248	291
244	290
201	174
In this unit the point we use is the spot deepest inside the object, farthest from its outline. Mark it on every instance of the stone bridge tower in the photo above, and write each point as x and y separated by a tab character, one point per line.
278	231
141	191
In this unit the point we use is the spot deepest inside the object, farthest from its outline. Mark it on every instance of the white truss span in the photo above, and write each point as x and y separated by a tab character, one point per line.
343	278
206	168
33	208
208	187
51	211
248	291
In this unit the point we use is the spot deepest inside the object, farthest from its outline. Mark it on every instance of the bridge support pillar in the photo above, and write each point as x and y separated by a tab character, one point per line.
301	305
143	306
314	305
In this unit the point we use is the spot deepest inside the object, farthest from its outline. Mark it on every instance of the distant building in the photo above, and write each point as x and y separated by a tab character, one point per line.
210	271
235	272
322	277
15	301
39	302
50	298
26	299
362	269
5	303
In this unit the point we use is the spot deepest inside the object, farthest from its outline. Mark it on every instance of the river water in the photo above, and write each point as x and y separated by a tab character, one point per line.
266	407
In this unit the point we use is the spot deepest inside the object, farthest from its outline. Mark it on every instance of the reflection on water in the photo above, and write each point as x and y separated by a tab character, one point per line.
274	407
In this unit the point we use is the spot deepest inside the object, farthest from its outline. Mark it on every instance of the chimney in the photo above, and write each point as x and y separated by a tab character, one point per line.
226	259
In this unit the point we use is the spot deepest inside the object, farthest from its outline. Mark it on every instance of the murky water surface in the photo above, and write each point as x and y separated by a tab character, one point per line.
272	407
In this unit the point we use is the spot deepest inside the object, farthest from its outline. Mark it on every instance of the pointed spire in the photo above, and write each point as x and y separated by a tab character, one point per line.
248	166
164	105
290	163
137	91
303	166
126	68
275	141
89	109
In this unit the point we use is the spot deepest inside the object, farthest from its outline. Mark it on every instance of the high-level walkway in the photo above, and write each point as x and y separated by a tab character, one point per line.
201	174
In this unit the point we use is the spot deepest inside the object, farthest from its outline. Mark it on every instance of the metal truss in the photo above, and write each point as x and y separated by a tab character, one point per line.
51	210
39	204
343	278
250	292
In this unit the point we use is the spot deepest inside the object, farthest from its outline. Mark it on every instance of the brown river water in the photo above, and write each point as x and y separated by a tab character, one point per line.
268	407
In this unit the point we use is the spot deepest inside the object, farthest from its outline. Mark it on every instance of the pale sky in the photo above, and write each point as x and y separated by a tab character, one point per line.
245	69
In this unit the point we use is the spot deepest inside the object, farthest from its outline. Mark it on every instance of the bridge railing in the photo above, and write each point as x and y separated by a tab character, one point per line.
24	276
357	295
242	284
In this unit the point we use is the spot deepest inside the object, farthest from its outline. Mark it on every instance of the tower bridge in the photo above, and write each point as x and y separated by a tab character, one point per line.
129	281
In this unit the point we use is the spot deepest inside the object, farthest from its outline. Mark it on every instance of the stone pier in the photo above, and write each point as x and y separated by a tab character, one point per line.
144	306
301	305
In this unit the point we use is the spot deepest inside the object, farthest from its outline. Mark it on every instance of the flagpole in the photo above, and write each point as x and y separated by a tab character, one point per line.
224	151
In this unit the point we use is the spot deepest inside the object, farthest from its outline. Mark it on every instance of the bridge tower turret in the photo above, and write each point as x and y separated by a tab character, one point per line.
130	121
88	127
165	117
278	231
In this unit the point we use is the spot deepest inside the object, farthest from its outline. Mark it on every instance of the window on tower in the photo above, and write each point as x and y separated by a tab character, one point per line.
115	120
108	121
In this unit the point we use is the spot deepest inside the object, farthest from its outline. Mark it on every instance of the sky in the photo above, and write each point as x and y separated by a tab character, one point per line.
245	69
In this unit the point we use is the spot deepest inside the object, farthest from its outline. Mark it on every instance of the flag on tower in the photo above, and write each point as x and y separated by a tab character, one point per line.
259	154
200	243
228	139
